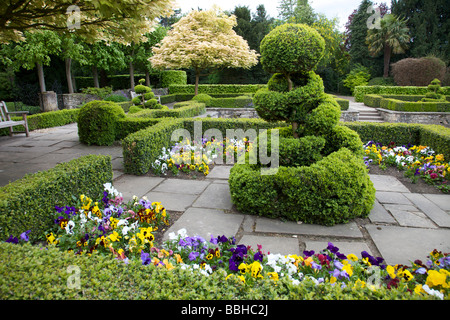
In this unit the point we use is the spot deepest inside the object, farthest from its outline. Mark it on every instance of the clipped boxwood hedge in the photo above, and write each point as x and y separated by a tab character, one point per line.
173	77
97	122
142	148
29	203
215	88
191	109
435	136
407	106
330	191
30	273
46	120
361	91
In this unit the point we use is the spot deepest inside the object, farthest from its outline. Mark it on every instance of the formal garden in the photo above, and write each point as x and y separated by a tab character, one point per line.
69	219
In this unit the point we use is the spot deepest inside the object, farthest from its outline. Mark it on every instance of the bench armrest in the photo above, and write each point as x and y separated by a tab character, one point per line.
18	112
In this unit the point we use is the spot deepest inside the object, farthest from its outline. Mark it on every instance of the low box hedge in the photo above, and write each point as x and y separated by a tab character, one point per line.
374	100
142	148
29	273
129	125
231	102
216	88
435	136
222	124
328	192
186	111
361	91
46	120
29	203
408	106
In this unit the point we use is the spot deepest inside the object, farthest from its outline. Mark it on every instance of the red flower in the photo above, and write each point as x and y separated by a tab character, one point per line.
433	175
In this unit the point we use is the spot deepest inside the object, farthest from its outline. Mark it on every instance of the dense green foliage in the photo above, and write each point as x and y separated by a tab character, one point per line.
215	89
291	48
330	191
46	120
30	273
361	91
39	193
435	136
97	122
428	21
173	77
142	148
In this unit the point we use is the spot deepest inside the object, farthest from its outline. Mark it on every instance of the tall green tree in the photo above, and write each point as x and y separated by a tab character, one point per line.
144	50
104	56
93	17
71	50
429	25
296	11
391	38
35	52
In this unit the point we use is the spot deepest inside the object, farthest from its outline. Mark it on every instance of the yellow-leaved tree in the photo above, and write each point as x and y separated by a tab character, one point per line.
203	40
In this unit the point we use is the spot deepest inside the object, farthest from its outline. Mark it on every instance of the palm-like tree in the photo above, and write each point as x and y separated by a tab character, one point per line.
392	37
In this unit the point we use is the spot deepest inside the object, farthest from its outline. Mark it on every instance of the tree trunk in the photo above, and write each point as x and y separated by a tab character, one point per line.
95	76
69	75
132	68
294	123
40	71
387	60
197	77
131	75
147	78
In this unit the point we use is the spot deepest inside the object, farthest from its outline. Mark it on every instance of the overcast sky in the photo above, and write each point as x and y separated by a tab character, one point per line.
331	8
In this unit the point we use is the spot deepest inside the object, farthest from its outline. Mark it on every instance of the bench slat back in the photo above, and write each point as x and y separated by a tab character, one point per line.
3	112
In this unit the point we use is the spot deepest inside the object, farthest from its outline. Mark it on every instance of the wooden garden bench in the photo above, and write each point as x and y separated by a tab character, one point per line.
6	122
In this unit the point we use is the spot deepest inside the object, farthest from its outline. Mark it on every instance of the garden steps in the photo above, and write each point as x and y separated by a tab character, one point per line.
370	116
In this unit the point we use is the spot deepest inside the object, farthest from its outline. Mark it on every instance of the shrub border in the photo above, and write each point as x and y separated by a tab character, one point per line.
361	91
29	203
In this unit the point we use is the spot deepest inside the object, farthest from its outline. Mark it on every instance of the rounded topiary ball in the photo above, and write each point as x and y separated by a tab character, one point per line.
291	48
140	89
97	122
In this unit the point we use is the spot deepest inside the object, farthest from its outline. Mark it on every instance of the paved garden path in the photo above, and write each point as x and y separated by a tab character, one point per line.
402	226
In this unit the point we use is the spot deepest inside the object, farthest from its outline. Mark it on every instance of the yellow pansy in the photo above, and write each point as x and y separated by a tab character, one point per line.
391	271
114	236
273	276
256	269
348	268
352	257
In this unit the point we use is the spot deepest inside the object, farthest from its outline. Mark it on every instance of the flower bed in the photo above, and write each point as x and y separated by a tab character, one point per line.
416	162
189	156
125	232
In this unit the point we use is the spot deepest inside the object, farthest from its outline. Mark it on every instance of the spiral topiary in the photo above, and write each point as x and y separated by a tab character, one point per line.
322	178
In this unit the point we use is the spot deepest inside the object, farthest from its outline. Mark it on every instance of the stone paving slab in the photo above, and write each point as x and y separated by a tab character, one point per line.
391	197
345	247
349	230
387	183
207	222
215	196
441	200
219	172
380	215
182	186
172	201
275	245
398	245
138	186
412	219
439	216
